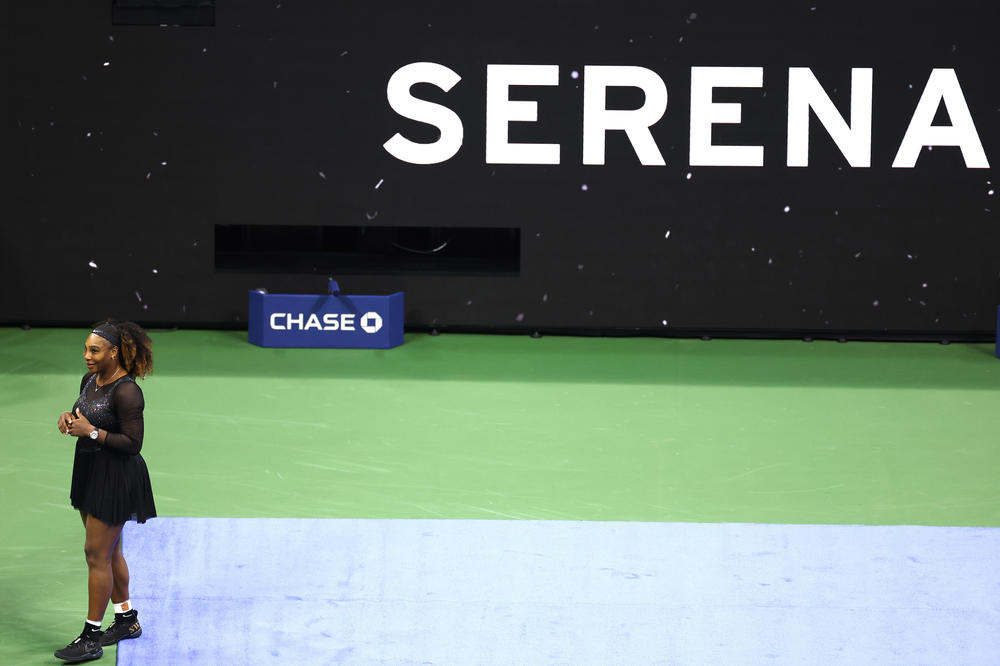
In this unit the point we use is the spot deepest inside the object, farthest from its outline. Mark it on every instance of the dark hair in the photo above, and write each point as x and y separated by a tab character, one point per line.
136	348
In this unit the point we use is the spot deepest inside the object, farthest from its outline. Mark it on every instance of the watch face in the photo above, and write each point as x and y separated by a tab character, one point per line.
93	434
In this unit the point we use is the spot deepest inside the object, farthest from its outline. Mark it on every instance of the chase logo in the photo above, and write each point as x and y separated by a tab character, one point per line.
371	322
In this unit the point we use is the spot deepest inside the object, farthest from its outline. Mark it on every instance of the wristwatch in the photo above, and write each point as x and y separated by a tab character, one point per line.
93	433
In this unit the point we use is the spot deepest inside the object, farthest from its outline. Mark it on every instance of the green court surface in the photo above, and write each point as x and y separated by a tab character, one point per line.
463	426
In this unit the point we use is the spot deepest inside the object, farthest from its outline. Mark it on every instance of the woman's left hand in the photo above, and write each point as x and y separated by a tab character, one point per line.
80	426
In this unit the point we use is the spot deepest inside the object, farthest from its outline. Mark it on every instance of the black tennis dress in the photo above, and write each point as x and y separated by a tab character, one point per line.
110	480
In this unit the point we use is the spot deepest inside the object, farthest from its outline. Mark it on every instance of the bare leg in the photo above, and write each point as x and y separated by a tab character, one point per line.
99	547
119	570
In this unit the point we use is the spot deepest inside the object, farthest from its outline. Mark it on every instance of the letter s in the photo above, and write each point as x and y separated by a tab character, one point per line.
402	102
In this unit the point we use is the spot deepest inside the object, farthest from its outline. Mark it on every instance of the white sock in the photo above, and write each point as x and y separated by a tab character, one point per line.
94	623
123	607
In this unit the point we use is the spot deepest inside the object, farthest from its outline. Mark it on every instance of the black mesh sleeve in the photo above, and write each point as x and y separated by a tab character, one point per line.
128	405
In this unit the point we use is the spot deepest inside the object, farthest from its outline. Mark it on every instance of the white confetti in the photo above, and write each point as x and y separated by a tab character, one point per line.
688	176
875	303
857	255
584	187
148	174
579	267
163	164
924	285
574	74
155	272
92	264
88	134
274	84
322	175
664	322
139	296
545	298
107	63
343	53
371	216
667	235
379	183
990	193
787	208
519	317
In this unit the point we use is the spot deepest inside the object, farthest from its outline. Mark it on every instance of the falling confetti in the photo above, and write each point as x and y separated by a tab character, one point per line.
519	317
322	175
787	208
379	183
584	187
688	176
139	296
92	264
371	216
574	74
155	272
667	235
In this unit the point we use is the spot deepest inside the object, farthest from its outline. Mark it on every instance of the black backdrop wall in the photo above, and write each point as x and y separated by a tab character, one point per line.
146	168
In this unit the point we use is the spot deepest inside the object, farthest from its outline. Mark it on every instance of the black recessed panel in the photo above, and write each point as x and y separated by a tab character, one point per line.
163	12
366	250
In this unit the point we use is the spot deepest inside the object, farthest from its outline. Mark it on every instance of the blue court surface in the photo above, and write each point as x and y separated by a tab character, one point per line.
330	591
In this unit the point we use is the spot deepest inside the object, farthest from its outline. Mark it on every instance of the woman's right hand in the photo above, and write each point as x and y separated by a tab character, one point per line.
64	420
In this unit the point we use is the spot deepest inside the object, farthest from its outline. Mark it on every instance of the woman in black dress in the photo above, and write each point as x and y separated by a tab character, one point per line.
110	480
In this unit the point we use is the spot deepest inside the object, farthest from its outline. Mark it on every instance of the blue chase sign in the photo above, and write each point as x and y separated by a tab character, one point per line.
326	320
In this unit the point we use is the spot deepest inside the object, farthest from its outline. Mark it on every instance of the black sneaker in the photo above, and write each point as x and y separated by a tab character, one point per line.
83	648
120	629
